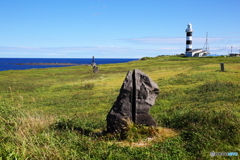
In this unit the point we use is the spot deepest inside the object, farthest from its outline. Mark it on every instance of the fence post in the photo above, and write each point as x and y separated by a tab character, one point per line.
222	67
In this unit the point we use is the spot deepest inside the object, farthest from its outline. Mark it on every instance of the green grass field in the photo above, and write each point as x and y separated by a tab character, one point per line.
59	113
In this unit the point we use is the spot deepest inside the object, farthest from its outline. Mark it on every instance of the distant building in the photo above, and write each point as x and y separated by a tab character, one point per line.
234	55
193	52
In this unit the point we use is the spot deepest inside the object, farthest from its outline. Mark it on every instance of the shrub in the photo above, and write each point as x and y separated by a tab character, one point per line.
146	58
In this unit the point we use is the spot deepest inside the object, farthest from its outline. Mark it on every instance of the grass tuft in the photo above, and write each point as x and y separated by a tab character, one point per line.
88	86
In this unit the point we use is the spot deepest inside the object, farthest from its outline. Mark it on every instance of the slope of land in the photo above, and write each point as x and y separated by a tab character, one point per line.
59	113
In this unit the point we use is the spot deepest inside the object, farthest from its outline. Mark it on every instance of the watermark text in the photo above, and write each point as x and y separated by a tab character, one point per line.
212	154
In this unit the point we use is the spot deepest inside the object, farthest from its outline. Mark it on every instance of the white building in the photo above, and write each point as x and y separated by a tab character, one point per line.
196	53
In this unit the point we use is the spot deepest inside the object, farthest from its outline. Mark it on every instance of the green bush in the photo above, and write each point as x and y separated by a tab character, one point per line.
146	58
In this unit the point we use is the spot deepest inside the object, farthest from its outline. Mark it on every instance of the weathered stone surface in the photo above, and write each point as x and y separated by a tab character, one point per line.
121	111
146	93
137	95
95	69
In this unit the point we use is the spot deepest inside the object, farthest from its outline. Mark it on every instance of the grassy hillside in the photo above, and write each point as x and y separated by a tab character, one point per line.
59	113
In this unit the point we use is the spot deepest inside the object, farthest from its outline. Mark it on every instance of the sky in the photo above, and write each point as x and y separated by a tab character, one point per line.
115	28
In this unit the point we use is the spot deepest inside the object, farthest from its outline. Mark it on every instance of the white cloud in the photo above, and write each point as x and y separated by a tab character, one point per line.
168	40
225	49
160	46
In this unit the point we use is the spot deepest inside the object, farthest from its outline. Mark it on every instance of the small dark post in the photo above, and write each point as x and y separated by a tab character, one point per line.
93	61
222	67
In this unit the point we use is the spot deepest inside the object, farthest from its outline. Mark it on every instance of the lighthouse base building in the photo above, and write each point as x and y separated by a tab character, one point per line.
196	53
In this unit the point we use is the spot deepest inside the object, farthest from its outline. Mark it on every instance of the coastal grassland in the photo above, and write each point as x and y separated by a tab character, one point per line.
60	113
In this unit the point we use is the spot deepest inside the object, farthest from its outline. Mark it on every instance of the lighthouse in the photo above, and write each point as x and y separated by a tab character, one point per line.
189	37
193	52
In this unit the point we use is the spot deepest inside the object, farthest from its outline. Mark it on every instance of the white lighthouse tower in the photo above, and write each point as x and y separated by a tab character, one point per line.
189	37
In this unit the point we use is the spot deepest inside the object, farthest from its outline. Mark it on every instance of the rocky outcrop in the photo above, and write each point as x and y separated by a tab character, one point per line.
137	95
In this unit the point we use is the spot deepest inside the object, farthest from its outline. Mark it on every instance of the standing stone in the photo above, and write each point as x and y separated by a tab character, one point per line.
121	111
137	95
145	94
95	69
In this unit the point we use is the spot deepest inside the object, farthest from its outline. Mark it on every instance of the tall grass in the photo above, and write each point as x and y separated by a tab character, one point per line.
60	113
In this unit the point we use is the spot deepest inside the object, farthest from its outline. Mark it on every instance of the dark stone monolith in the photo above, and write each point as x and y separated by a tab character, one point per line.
137	95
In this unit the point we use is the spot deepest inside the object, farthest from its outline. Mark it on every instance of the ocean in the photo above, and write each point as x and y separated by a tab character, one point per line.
30	63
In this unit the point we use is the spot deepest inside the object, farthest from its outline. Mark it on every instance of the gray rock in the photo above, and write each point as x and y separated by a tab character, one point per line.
121	111
146	93
95	69
137	95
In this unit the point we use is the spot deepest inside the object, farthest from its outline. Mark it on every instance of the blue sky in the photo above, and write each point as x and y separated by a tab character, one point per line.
115	28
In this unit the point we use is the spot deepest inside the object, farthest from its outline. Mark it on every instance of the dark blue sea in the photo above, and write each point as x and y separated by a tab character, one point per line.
23	63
